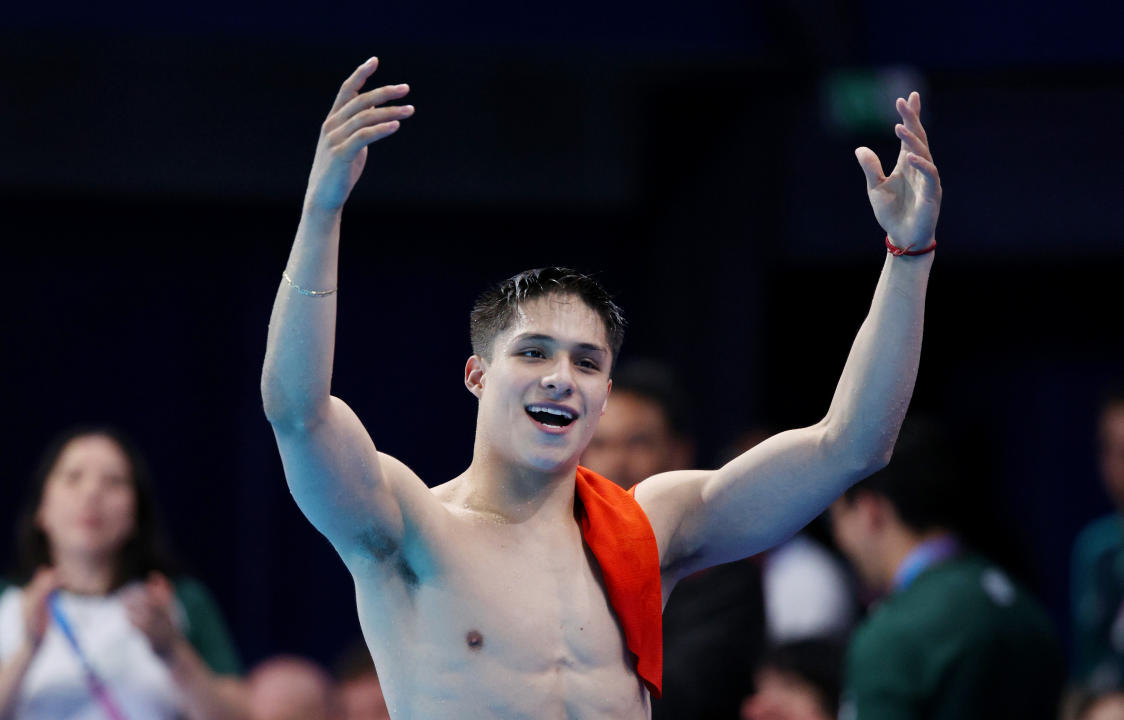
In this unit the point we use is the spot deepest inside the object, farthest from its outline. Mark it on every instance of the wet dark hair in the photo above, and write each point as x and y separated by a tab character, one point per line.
143	552
816	661
494	309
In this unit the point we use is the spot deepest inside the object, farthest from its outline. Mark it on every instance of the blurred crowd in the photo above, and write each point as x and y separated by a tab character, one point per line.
883	608
97	622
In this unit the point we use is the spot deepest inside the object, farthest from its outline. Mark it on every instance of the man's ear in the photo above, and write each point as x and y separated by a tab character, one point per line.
609	392
474	371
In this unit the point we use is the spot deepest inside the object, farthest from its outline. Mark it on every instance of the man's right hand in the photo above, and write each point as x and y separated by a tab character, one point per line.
36	615
356	120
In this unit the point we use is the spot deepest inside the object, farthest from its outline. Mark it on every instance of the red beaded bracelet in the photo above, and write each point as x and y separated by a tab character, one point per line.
898	252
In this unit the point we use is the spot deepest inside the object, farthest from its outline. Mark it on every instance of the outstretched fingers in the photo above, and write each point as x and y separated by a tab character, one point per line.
928	171
363	137
359	119
872	167
910	110
912	143
365	101
354	81
368	118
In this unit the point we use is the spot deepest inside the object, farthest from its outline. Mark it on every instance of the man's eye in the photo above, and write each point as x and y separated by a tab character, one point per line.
532	353
588	364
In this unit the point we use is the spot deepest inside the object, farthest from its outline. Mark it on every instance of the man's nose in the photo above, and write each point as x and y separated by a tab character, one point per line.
560	381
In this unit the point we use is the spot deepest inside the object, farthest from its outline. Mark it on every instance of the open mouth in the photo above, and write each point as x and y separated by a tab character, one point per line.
551	416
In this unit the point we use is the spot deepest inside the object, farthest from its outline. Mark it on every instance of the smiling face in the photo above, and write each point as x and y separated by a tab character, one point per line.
88	506
545	386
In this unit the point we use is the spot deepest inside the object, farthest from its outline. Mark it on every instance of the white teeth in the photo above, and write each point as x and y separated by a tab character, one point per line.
552	411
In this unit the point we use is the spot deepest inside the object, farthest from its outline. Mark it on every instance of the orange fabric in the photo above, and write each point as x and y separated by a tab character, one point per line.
618	533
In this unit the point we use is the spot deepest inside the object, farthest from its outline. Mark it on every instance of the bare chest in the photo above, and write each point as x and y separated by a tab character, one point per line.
537	601
516	622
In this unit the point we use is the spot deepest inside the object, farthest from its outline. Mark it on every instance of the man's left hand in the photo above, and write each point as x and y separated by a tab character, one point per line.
908	200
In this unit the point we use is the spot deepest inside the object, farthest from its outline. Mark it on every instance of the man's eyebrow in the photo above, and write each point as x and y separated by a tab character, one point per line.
539	337
536	337
591	347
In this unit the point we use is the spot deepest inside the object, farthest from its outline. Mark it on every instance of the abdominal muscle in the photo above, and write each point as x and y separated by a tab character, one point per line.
513	624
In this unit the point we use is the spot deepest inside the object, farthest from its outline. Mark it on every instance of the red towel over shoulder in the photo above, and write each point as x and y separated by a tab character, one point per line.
618	533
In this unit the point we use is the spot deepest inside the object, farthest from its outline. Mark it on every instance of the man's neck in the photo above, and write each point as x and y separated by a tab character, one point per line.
518	494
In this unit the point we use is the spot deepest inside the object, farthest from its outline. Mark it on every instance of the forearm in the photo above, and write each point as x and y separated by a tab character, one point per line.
206	695
297	375
874	390
11	677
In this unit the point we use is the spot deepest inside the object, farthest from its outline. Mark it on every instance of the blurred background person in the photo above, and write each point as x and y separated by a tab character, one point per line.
287	687
146	249
714	620
797	681
953	636
646	428
358	690
1097	603
90	544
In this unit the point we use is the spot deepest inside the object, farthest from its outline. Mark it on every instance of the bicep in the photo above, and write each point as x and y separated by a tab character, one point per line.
750	504
348	490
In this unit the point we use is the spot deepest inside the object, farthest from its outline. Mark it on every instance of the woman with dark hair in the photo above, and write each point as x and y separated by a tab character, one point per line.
97	630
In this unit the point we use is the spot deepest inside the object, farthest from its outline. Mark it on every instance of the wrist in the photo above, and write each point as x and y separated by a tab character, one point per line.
185	666
315	205
320	214
319	221
26	652
911	250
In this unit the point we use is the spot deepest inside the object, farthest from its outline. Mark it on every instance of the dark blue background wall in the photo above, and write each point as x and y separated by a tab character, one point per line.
152	164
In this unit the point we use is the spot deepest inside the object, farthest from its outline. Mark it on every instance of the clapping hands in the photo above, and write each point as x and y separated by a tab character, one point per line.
150	607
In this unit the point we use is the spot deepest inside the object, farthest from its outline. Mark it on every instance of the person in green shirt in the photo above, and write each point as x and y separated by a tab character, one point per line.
1097	568
953	636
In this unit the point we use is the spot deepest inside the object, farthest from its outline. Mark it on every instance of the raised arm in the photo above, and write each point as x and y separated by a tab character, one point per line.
347	490
703	518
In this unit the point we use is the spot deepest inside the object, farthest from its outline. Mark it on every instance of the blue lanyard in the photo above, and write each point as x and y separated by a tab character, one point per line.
923	557
98	689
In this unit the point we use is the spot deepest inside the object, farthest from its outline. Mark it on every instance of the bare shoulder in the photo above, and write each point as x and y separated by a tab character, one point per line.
407	483
424	521
668	498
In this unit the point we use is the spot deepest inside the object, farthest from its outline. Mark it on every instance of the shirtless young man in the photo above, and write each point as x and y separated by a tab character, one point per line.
478	597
